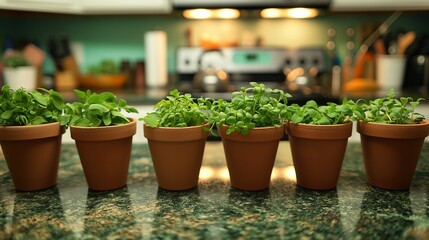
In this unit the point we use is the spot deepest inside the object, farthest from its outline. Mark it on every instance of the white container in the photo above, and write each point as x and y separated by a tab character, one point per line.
156	59
390	71
25	77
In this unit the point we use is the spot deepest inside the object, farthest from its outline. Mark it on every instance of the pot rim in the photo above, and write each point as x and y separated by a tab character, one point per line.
132	120
104	133
45	130
175	134
321	125
175	128
322	132
397	131
257	134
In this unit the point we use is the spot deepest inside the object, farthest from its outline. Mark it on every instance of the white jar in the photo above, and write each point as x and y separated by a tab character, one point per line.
25	77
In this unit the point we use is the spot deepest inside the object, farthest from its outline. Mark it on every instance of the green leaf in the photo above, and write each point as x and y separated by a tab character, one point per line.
21	120
57	100
178	110
174	93
95	122
64	120
38	97
122	103
152	120
83	122
95	109
98	109
255	106
7	114
23	107
388	110
38	120
80	94
296	119
230	120
107	120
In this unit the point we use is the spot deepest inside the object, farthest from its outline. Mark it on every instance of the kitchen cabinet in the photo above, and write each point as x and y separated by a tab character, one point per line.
89	6
125	6
378	5
57	6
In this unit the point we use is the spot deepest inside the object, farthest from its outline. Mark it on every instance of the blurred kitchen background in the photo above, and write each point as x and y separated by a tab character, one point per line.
142	49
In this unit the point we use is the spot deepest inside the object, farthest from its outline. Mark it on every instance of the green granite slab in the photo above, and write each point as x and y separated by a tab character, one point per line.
214	210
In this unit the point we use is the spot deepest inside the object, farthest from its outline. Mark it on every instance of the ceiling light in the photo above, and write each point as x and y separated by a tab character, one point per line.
227	13
289	13
271	13
201	13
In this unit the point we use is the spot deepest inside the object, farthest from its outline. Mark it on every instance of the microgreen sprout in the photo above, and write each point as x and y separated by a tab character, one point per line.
328	114
93	110
389	109
255	106
22	107
178	110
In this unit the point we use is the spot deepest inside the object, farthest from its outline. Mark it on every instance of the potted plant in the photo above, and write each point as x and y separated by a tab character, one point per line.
177	132
105	74
392	136
318	138
103	137
30	136
251	126
18	72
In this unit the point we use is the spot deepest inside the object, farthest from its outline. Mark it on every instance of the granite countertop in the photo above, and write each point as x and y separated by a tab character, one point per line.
214	210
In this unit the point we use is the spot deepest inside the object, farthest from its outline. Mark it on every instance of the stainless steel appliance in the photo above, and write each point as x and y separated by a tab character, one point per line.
304	72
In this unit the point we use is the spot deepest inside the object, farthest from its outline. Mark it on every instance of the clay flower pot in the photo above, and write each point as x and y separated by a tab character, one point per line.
105	154
250	158
32	154
318	153
391	152
177	154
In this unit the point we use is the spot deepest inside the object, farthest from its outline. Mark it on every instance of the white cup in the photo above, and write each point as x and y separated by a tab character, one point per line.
390	71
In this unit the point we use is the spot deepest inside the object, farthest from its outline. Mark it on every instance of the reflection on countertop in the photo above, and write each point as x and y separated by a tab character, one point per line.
213	210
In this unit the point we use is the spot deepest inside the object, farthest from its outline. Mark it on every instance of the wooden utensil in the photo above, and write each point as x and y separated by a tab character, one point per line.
380	49
405	41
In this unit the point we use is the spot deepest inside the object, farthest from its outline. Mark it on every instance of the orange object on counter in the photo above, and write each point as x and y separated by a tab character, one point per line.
102	81
365	66
65	81
360	85
216	43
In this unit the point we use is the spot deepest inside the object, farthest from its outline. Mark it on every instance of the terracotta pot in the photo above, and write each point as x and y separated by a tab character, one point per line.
105	154
250	158
318	153
32	154
391	152
177	154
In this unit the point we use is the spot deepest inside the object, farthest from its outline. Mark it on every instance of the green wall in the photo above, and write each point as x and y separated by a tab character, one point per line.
121	37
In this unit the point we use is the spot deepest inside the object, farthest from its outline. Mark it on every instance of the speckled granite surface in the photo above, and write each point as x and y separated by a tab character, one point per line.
214	210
